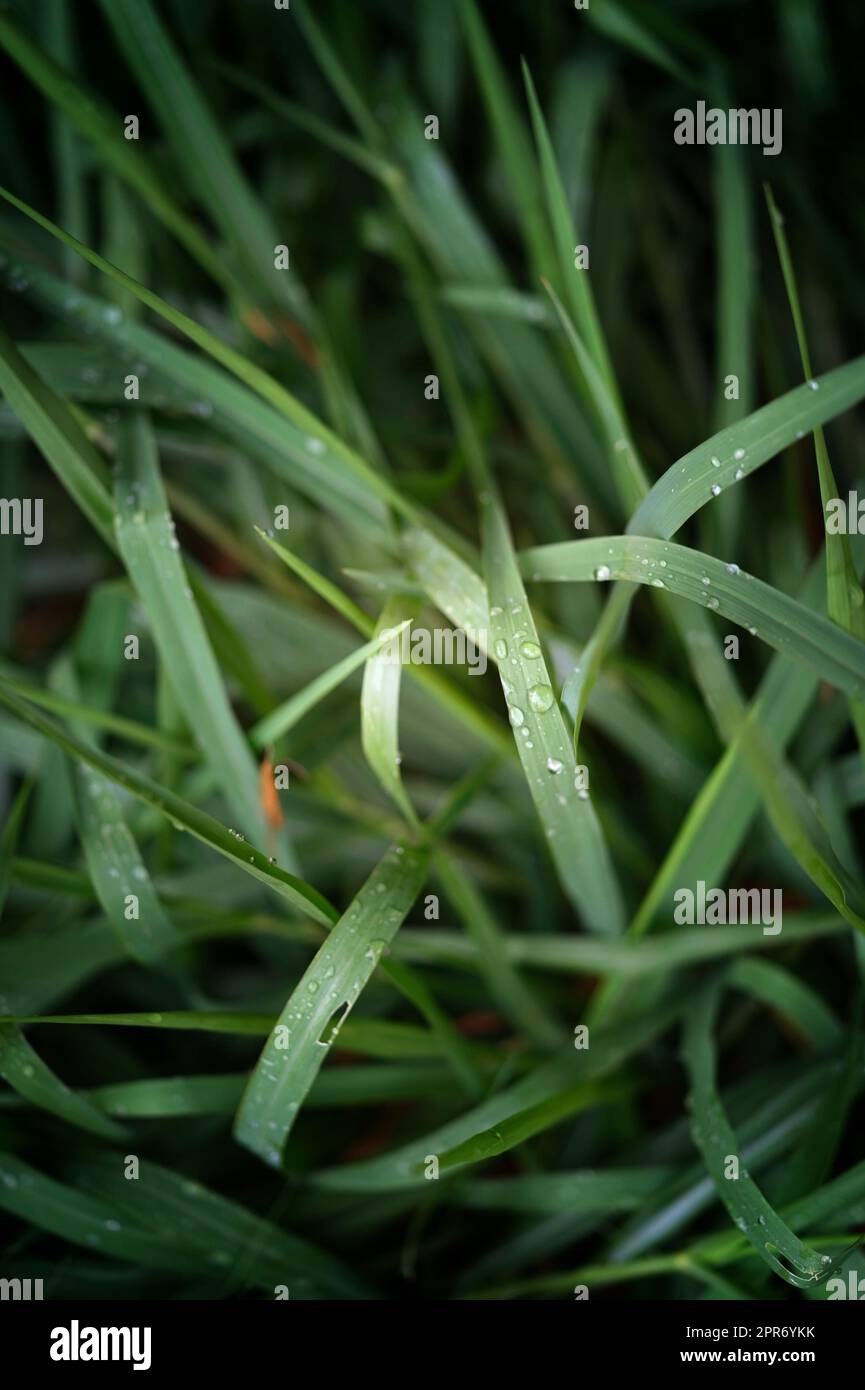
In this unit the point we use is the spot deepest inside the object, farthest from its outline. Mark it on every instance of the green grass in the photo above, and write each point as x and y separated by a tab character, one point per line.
424	1023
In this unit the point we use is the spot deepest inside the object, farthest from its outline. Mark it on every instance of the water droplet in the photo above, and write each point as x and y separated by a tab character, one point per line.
516	716
554	765
313	445
716	491
814	385
738	453
602	573
540	698
705	579
713	603
530	650
501	649
716	462
732	569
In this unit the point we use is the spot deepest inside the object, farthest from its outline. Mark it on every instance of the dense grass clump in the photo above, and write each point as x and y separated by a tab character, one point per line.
432	693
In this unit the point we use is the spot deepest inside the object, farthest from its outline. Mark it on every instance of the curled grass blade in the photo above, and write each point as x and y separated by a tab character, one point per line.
379	703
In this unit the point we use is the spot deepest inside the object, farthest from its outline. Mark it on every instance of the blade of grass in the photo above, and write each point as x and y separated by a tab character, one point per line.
186	816
845	600
56	433
506	985
770	1236
784	623
546	752
145	536
379	703
24	1070
282	720
329	986
399	1169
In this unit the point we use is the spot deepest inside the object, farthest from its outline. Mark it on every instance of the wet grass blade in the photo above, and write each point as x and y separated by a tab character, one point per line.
546	751
720	586
323	997
771	1237
403	1167
690	483
535	1119
117	871
146	539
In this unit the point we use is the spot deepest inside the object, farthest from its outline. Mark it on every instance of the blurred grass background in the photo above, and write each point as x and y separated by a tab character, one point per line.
411	257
